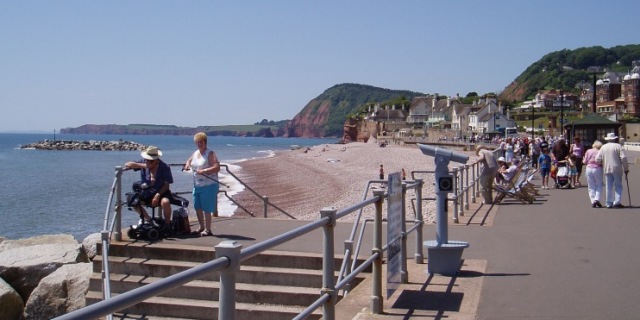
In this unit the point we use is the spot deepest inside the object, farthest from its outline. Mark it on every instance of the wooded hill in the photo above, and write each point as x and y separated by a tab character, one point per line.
567	69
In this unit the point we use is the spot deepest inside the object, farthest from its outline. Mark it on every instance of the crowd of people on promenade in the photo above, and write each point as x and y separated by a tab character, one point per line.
561	162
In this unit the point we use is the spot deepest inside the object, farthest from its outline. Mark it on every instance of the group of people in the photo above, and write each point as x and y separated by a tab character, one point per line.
156	175
605	165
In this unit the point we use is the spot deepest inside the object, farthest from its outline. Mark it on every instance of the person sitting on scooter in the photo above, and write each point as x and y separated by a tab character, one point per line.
156	176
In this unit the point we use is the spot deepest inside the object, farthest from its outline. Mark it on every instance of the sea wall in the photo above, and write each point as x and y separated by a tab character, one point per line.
120	145
44	277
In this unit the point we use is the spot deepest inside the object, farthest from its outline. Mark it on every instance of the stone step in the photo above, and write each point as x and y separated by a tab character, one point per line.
247	274
165	251
209	290
197	309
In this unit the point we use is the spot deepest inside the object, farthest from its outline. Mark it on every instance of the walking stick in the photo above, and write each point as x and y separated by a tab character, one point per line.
626	175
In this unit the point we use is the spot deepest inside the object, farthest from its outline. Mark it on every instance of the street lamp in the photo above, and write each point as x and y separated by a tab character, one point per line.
561	114
533	125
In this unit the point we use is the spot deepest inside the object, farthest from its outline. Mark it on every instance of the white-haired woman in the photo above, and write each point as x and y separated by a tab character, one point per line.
594	174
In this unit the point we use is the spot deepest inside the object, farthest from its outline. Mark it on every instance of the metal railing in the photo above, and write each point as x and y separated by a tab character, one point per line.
230	255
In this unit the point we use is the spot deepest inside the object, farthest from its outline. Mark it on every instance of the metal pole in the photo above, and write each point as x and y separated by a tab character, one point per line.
266	204
227	296
419	256
466	187
455	197
376	294
328	267
404	274
561	114
117	232
533	124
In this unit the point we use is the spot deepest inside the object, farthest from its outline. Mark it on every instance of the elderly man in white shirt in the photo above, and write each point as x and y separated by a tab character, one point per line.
614	163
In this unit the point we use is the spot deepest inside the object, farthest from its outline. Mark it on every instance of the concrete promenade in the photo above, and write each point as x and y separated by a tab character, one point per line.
557	258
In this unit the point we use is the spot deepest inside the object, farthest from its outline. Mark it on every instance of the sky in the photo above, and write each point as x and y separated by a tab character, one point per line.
206	63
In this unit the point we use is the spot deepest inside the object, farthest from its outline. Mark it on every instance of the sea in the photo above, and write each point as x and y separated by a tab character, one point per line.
54	192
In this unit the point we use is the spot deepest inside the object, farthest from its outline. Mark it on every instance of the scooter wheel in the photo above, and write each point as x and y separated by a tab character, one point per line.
153	234
131	233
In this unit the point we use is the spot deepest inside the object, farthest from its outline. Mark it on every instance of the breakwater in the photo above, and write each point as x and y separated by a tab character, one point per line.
119	145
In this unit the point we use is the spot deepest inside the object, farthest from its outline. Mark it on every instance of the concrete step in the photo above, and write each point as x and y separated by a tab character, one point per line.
166	251
209	290
247	274
196	309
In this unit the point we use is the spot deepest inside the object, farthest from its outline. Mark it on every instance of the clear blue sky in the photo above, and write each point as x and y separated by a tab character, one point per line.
190	63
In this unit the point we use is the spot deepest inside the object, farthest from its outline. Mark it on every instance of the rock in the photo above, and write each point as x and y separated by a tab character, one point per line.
59	293
10	302
90	244
24	262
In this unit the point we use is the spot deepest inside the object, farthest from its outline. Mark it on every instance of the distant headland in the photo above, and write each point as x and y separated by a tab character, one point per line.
120	145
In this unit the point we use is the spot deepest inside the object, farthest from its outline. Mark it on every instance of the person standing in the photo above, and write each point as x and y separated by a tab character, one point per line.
614	163
593	172
381	172
577	149
205	166
544	162
156	175
488	173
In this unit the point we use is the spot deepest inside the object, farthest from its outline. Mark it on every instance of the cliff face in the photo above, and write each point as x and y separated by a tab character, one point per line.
310	121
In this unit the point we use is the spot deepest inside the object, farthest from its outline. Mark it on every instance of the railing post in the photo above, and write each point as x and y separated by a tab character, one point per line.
419	256
227	296
404	273
265	199
466	187
461	189
117	232
454	172
376	294
474	182
328	266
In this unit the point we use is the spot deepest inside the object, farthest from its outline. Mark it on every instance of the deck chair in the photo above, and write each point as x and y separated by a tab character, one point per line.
514	188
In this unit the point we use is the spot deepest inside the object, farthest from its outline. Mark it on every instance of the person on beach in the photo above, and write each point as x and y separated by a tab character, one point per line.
614	163
381	172
205	167
577	149
487	173
593	174
544	162
156	175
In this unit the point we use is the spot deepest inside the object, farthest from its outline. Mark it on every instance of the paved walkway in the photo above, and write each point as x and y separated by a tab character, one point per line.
557	258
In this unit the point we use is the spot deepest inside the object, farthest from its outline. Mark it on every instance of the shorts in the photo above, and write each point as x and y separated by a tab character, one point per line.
206	198
544	172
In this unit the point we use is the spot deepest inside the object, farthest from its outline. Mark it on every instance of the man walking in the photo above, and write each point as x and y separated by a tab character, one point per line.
614	163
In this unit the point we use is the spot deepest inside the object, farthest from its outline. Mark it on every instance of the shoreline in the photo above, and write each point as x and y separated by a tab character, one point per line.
302	182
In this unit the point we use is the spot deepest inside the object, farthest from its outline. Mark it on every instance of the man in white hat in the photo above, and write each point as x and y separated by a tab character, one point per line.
614	163
157	176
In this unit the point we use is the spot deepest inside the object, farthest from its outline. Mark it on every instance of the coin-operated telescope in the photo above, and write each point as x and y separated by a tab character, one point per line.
444	254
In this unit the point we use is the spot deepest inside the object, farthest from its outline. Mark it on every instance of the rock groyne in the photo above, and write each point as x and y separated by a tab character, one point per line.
120	145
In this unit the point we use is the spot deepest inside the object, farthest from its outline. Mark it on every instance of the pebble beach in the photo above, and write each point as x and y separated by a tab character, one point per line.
301	182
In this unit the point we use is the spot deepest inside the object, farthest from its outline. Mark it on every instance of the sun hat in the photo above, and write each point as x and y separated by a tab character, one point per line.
502	159
611	136
151	153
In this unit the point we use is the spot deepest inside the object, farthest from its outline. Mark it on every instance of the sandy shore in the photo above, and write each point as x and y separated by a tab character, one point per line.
301	183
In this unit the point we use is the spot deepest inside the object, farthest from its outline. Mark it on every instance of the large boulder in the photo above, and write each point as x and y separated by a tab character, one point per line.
10	302
90	245
59	293
24	262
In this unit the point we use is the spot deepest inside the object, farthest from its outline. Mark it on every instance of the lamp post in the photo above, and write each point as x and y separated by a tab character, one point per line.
561	114
533	125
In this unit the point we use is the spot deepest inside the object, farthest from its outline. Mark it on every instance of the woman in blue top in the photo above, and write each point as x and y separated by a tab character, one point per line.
205	166
157	177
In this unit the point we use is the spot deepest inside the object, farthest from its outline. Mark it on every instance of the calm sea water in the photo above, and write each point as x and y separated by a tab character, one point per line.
51	192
